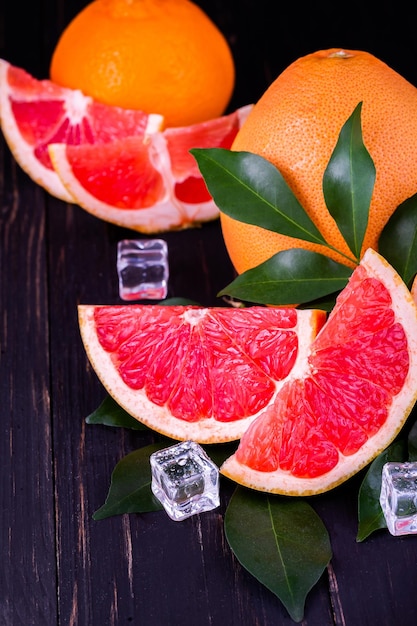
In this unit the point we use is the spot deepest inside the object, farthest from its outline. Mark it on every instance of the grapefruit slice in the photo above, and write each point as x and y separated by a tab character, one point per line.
358	385
149	186
34	113
195	373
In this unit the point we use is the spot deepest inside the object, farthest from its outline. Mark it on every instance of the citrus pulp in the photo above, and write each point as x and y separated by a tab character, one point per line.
125	170
358	386
195	373
34	113
149	186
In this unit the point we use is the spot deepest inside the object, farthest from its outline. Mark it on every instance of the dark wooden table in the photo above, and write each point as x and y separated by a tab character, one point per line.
59	567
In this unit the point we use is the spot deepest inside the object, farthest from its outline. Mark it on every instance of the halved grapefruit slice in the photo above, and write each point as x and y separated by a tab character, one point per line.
354	394
149	186
34	113
196	373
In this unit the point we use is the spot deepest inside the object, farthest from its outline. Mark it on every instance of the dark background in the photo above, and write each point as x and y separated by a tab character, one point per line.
265	35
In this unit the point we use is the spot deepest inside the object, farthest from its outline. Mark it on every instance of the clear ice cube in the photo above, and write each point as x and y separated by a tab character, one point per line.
142	268
185	480
398	497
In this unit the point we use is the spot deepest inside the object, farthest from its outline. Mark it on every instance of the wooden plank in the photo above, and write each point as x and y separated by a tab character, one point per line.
27	525
143	567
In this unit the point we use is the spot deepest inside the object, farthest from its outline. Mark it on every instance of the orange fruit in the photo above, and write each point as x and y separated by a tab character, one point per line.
195	373
295	125
358	385
164	56
149	186
34	113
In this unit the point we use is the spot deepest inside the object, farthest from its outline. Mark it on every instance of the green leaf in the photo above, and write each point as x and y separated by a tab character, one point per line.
130	487
218	453
250	189
178	302
290	277
412	443
326	303
398	240
281	541
109	413
371	517
348	183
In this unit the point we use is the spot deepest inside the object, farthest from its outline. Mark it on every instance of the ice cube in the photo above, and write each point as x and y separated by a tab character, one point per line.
142	267
398	497
185	480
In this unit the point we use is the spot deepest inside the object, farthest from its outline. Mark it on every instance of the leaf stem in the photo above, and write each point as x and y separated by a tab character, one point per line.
345	256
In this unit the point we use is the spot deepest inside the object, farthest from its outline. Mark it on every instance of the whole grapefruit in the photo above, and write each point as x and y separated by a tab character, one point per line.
295	125
160	56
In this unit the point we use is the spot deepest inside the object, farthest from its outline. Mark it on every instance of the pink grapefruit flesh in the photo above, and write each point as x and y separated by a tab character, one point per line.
35	113
358	385
196	373
150	186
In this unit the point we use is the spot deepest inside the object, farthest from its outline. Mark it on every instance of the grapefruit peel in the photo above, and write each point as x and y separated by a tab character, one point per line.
284	482
250	189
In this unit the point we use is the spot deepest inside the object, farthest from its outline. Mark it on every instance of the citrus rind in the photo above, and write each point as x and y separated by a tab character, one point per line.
296	124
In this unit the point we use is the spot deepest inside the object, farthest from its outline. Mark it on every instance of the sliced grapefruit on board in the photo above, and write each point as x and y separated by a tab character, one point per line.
149	186
34	113
358	385
196	373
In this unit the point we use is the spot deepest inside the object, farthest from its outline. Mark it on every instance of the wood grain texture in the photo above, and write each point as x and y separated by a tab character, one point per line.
27	526
59	566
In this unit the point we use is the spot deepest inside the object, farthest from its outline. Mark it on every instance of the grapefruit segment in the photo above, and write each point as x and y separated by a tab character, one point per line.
196	373
357	388
115	163
149	186
35	113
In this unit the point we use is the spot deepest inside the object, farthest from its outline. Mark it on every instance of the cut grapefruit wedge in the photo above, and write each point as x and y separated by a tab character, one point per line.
357	388
34	113
149	186
196	373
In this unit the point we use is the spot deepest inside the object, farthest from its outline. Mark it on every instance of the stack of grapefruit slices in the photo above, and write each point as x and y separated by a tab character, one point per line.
118	164
312	401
